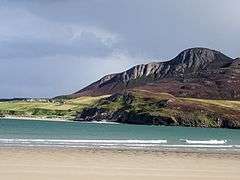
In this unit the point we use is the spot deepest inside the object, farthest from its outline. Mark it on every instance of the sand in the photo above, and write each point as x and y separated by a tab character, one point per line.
35	118
83	164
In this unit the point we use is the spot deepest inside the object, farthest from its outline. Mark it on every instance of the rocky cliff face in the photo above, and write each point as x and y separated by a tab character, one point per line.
196	72
161	109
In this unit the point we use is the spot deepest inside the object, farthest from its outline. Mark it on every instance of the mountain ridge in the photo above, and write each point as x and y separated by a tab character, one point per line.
195	72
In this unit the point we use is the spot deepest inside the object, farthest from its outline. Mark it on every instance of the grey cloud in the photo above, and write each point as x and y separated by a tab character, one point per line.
157	28
87	46
25	35
51	76
52	47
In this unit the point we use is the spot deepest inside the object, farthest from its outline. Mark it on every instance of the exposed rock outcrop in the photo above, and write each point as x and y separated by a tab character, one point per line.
196	72
160	109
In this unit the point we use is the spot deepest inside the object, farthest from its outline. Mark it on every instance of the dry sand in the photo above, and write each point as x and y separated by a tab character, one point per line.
80	164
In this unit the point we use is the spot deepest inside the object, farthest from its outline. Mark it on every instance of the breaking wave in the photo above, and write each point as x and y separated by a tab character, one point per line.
125	144
212	141
81	143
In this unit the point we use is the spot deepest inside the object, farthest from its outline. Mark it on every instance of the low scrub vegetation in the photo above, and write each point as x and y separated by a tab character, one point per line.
64	108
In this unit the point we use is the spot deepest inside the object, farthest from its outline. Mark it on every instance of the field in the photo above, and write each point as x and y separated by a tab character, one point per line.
49	109
221	103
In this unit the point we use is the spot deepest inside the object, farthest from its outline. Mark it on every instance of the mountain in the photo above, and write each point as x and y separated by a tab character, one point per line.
195	72
184	91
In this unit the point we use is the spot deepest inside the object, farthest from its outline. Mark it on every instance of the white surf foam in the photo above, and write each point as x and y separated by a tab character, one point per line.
212	141
133	143
99	122
83	141
198	146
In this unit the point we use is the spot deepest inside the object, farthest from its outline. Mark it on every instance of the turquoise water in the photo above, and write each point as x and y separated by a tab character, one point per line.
76	134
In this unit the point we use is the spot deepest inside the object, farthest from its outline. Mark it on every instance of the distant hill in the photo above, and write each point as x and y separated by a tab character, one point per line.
143	107
195	72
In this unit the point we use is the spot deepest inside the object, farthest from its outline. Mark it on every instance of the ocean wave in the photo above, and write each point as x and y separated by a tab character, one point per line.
212	141
198	146
129	144
82	141
99	122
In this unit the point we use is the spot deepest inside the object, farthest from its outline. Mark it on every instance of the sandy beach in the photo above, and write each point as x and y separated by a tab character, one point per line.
75	164
35	118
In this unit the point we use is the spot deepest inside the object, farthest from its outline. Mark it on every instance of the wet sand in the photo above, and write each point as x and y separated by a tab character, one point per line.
75	164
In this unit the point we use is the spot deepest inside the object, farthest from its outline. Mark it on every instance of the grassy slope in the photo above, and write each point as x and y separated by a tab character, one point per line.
190	111
199	111
63	108
222	103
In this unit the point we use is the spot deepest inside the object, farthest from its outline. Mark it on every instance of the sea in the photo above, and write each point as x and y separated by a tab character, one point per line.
34	133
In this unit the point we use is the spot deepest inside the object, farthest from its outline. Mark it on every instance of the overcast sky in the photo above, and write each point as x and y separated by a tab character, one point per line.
54	47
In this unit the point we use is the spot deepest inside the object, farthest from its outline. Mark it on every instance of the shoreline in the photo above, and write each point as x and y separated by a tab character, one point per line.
208	152
123	150
73	164
35	118
53	119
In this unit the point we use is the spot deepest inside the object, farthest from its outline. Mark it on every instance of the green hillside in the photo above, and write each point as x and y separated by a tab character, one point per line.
49	109
143	107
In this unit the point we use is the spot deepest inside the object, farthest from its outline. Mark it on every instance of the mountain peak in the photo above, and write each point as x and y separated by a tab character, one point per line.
202	55
181	76
195	59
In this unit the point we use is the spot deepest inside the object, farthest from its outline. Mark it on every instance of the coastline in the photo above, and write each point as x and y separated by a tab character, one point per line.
36	118
52	119
71	164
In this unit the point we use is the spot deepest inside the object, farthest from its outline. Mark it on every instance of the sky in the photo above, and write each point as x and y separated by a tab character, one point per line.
55	47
